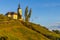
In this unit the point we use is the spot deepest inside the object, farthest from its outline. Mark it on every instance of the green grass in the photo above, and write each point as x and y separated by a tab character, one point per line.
15	30
44	31
19	32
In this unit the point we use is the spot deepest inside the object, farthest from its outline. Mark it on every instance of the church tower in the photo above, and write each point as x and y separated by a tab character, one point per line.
19	11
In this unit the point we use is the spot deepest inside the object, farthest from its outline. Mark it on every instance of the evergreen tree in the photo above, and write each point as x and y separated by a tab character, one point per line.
27	14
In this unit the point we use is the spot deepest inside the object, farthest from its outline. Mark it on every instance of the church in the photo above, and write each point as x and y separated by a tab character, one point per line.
15	15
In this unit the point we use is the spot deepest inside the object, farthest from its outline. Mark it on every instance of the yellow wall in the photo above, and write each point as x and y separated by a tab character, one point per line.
15	16
9	15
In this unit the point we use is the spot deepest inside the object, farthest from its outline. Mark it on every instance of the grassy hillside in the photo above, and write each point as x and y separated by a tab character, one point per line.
14	30
44	31
17	30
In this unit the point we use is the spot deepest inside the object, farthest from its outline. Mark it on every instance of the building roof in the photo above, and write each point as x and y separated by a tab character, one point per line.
11	13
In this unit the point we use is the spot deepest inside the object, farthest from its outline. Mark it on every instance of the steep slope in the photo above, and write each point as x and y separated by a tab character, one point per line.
43	31
14	30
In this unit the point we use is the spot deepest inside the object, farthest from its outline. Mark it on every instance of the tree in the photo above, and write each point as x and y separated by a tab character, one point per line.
27	14
56	31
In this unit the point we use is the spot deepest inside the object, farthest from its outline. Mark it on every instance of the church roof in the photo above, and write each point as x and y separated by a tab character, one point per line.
11	13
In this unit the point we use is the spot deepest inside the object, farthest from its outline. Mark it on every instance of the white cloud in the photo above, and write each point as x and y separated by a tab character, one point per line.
54	26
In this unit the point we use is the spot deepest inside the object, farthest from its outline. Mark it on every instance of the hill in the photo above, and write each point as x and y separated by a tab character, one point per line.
44	31
17	30
14	30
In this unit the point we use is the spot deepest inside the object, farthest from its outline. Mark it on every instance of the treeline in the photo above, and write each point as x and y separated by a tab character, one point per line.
56	31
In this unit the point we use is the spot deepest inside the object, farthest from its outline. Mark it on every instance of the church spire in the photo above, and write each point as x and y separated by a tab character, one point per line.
19	11
19	6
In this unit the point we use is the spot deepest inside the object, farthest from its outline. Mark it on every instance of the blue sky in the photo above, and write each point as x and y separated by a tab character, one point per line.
44	12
